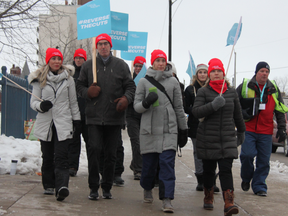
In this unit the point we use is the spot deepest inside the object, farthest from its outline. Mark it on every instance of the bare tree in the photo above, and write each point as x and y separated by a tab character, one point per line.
282	83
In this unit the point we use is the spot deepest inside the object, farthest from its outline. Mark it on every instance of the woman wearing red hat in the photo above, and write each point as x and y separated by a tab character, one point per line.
158	130
216	136
57	112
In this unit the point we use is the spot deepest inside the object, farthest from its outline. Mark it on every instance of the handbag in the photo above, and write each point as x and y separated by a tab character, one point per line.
182	134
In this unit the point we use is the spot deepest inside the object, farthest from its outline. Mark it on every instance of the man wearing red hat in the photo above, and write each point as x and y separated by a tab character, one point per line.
133	126
80	57
106	102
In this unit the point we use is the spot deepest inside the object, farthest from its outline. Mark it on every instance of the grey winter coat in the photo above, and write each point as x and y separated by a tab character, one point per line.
114	79
60	90
158	130
216	135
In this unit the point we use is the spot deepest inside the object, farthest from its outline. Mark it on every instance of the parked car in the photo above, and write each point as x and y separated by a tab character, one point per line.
275	143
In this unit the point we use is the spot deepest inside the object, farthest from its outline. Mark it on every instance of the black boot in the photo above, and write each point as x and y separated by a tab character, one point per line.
199	186
216	189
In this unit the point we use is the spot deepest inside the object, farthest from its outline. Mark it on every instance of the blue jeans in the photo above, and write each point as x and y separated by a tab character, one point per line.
259	146
167	178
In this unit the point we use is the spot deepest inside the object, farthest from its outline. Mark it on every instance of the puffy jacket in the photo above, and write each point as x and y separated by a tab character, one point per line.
114	79
60	90
216	135
262	123
158	129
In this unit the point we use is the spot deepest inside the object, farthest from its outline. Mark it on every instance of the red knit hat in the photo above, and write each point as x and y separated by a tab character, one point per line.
215	64
103	37
80	53
139	60
157	54
50	52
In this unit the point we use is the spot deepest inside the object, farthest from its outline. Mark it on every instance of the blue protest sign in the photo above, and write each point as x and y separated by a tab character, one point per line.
191	70
93	18
119	30
234	34
137	43
141	74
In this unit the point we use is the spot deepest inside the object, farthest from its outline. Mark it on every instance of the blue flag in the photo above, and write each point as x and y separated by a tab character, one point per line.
141	74
234	33
93	18
191	70
119	30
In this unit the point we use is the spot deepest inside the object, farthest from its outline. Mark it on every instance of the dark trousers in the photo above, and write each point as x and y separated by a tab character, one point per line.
75	146
133	128
102	137
55	166
225	173
166	161
119	166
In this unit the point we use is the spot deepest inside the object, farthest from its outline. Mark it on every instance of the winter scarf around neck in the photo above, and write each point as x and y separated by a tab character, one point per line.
217	85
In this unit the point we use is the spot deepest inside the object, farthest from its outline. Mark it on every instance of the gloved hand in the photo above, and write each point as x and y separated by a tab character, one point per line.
150	99
76	128
245	114
93	90
46	105
182	137
240	138
281	133
122	104
218	102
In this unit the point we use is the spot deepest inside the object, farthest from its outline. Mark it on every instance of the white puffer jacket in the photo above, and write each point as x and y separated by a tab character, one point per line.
60	90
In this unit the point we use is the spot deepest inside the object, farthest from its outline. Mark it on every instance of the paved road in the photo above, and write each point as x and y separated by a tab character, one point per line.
22	195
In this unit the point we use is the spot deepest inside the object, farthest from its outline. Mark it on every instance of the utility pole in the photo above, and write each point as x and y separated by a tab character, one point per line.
170	31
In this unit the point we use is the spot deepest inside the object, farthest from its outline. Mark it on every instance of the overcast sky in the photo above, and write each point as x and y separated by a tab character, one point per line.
202	28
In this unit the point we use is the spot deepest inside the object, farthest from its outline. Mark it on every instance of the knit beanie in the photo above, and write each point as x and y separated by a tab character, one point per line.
80	53
103	37
157	54
262	65
139	60
201	67
50	52
215	64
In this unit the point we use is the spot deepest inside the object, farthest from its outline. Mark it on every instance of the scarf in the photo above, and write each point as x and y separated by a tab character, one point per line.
217	85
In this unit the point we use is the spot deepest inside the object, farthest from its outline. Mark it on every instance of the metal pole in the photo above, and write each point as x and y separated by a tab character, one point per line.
170	31
234	70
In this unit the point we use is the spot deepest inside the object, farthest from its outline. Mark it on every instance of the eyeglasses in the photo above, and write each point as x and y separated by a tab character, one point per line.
140	66
104	43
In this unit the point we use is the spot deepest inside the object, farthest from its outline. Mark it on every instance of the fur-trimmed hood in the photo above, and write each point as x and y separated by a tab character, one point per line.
69	68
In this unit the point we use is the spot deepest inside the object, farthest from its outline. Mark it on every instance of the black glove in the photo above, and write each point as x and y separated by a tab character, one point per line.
46	105
245	114
182	137
76	128
150	99
281	133
218	102
240	138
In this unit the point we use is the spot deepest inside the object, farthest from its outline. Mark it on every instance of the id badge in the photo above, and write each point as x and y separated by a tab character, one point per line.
262	106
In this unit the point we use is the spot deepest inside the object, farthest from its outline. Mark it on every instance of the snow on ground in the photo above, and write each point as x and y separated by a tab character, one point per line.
28	154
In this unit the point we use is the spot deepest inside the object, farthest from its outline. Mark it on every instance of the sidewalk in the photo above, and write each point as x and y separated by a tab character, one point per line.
23	195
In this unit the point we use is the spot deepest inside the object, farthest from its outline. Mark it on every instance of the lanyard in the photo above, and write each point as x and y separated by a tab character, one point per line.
261	91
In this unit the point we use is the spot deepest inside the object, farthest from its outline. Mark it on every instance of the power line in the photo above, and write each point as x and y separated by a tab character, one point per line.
176	8
163	27
270	69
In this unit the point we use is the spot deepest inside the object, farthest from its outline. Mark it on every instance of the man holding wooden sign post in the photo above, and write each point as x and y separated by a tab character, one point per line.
107	99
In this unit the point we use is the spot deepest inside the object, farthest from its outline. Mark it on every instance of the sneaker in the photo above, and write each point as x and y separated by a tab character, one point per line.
245	186
49	191
118	181
148	197
106	194
261	193
72	172
137	176
167	206
93	194
62	193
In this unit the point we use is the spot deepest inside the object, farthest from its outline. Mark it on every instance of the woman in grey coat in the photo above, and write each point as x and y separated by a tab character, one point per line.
158	129
58	112
216	135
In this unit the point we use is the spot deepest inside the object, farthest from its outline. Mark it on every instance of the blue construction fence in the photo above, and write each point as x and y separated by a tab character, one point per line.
15	107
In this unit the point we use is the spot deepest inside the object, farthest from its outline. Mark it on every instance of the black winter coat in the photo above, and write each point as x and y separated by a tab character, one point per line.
189	102
216	135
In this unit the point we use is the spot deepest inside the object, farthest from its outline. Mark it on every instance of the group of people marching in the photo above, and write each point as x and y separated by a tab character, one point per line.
220	119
